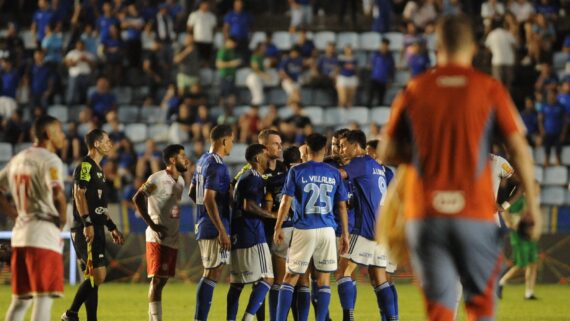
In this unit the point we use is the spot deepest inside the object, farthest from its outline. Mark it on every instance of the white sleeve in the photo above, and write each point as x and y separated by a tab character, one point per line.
506	169
191	20
151	185
54	171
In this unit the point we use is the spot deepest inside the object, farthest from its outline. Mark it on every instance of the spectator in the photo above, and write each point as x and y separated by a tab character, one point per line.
181	128
323	72
195	97
301	14
176	12
148	162
419	60
452	7
522	9
411	37
502	45
381	14
202	125
188	62
114	128
10	79
271	117
14	44
81	64
16	130
76	148
306	46
566	49
201	24
541	37
114	52
347	80
227	62
102	100
254	80
545	7
421	14
170	102
154	69
249	125
52	45
42	80
43	17
564	94
238	24
492	10
272	52
290	71
382	69
127	159
89	39
530	119
164	26
552	122
105	22
547	79
133	23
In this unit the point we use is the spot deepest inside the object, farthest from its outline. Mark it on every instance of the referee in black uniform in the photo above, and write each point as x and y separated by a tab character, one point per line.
90	200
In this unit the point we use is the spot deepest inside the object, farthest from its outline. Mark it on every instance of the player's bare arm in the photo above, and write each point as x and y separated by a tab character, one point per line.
60	204
515	180
117	236
281	215
214	214
140	202
343	214
252	207
522	162
83	209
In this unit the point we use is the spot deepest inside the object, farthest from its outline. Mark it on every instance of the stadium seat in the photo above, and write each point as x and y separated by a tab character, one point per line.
323	38
335	116
21	146
124	95
158	132
315	113
402	77
83	129
218	40
559	60
128	114
357	114
566	197
60	112
539	173
566	155
396	40
137	133
140	93
307	96
152	114
244	96
5	152
28	39
240	110
278	96
273	78
347	38
282	40
390	95
323	98
284	112
380	115
539	156
555	175
74	111
361	58
241	76
206	76
370	41
237	156
258	36
553	195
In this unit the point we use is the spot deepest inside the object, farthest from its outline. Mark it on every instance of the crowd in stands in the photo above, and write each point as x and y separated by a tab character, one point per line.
188	65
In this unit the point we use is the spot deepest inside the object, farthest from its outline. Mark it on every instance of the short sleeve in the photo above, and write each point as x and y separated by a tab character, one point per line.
214	177
341	194
289	187
356	168
150	186
55	172
507	117
191	20
506	169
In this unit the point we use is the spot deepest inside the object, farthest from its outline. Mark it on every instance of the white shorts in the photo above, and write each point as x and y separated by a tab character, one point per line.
391	267
212	255
317	244
367	252
347	82
251	264
290	86
281	249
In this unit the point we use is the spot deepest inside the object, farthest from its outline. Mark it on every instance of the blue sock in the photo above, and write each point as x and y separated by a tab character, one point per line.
323	302
355	292
284	303
346	295
204	294
385	299
303	303
395	294
314	291
233	300
257	296
294	311
273	298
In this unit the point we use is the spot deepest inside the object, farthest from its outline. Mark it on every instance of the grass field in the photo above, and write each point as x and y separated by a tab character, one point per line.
127	302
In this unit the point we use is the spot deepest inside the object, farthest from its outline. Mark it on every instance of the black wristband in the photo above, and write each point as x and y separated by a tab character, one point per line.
110	225
86	220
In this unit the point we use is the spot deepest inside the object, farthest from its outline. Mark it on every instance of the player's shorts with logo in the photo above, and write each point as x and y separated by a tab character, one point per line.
367	252
212	254
97	247
160	260
318	244
281	249
251	264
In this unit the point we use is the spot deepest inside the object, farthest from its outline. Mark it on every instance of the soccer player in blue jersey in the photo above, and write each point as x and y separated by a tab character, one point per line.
314	189
369	182
210	190
250	256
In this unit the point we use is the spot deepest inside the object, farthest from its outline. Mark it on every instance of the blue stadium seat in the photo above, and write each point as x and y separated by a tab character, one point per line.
282	40
60	112
128	114
137	133
357	114
124	95
555	175
257	37
206	76
566	155
83	129
20	147
74	111
396	40
370	41
237	156
335	116
315	113
559	60
539	156
553	196
380	115
323	98
307	95
273	78
240	110
152	114
28	39
402	77
284	112
347	38
241	76
218	40
278	96
391	94
323	38
6	152
158	132
539	173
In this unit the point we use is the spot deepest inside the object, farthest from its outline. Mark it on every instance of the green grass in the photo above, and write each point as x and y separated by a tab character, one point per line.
127	302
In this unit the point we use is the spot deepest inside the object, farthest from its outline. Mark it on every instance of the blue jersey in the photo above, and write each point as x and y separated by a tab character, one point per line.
248	229
369	182
315	188
211	173
349	208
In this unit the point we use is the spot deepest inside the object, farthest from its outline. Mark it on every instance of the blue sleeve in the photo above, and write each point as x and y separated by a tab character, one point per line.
213	178
341	192
289	187
356	168
389	175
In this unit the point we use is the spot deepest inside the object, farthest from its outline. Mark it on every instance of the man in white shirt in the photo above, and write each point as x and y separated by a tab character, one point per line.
492	9
202	23
158	203
522	9
502	45
80	63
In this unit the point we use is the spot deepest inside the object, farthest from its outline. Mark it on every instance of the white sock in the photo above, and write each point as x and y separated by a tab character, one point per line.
155	311
42	308
528	293
18	309
248	317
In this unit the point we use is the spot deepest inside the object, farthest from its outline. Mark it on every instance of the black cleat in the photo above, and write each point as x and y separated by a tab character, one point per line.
531	297
69	316
500	291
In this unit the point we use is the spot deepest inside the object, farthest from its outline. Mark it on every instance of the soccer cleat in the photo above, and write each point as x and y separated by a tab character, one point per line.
500	291
69	316
531	297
